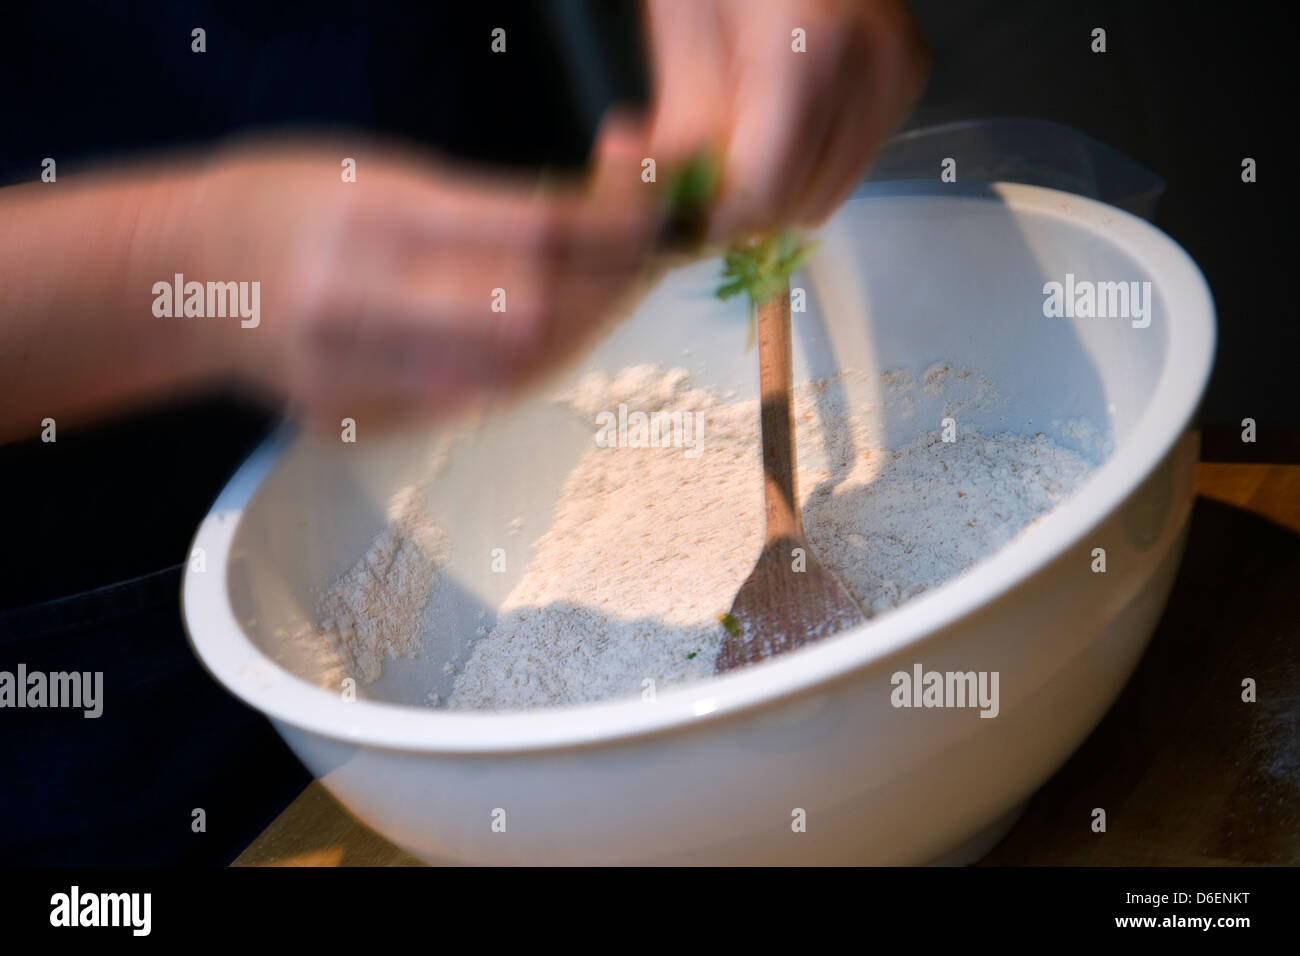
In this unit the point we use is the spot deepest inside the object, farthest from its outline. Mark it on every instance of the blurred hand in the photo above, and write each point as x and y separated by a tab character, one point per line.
378	295
796	130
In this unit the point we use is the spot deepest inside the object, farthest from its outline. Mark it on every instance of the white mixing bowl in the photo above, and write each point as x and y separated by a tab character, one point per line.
718	772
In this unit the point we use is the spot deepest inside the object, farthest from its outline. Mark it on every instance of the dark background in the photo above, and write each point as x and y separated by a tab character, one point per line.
1186	89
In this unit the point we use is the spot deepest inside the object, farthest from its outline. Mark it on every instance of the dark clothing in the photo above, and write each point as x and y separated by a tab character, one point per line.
96	525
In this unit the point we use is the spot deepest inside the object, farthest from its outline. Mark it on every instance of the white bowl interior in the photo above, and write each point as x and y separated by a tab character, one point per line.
903	278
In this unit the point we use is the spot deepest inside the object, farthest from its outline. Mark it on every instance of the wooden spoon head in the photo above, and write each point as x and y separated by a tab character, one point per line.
787	601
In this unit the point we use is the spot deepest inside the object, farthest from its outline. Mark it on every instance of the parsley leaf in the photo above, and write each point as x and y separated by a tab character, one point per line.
759	268
762	268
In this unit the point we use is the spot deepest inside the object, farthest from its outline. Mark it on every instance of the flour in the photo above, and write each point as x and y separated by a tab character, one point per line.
374	611
649	544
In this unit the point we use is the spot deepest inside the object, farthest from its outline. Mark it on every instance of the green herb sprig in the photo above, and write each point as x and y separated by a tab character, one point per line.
686	201
759	267
762	267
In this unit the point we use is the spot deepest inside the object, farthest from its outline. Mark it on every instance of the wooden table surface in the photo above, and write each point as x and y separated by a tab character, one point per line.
1187	772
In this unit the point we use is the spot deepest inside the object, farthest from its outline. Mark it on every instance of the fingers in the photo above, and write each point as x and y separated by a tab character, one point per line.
466	211
432	324
442	361
846	150
806	94
776	126
894	68
689	60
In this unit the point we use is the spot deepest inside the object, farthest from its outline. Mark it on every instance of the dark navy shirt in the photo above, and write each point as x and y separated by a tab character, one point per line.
96	525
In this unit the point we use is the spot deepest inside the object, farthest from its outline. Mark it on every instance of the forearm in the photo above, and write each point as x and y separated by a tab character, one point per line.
78	334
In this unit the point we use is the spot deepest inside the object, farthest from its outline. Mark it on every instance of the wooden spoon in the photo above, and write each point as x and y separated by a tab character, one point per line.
789	599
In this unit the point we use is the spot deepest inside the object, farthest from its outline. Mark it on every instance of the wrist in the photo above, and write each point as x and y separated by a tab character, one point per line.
207	313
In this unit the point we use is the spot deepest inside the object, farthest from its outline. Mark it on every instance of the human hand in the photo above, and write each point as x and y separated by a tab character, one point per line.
377	296
795	130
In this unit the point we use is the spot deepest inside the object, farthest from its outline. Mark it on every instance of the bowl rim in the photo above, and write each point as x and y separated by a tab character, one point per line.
236	662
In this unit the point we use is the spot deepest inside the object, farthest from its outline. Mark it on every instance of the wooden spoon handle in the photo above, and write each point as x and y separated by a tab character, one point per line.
775	377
